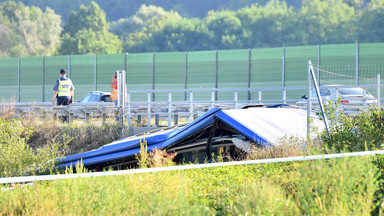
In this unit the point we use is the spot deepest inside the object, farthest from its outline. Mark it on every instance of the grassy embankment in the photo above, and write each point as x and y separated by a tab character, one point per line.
333	187
325	187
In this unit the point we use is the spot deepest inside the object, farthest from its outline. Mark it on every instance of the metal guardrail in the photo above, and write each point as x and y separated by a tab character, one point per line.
191	107
169	109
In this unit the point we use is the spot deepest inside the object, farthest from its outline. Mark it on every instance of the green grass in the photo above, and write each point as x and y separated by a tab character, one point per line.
324	187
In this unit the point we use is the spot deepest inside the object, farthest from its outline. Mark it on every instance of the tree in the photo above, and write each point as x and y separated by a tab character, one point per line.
371	25
86	32
174	34
62	7
373	4
5	40
356	4
319	21
265	26
144	17
148	39
226	28
28	31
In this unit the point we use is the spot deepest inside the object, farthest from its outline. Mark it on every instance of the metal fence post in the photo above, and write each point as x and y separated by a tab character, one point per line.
153	76
125	61
157	120
364	98
213	98
235	97
357	64
176	119
319	99
43	79
190	106
318	65
124	91
249	72
341	104
169	108
260	96
18	78
186	75
378	90
129	109
149	108
216	72
309	100
283	76
95	73
139	119
121	86
69	66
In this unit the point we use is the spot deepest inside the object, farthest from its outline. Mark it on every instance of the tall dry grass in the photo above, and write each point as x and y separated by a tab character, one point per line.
84	137
155	158
77	135
7	108
287	147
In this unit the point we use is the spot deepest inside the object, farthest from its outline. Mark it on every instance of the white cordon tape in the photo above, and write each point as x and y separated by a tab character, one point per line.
183	167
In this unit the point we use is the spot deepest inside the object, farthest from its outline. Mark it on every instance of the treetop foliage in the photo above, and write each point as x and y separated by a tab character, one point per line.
174	26
28	31
86	32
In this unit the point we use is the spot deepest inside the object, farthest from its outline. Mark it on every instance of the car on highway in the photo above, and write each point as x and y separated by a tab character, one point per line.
351	98
97	96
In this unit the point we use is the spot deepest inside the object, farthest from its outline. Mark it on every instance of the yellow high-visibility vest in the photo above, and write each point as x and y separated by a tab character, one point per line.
64	88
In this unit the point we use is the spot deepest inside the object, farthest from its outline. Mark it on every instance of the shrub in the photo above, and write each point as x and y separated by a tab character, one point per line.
16	157
357	133
378	201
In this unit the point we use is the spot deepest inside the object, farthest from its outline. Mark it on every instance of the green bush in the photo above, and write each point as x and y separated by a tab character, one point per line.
361	132
16	157
378	202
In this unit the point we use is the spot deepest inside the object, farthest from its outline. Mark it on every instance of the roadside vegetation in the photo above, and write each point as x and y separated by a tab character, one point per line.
29	145
345	186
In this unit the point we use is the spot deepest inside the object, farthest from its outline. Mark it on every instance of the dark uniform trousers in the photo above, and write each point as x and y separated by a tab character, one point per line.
63	101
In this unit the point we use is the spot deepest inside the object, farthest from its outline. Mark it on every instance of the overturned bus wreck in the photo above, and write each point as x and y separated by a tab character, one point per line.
236	130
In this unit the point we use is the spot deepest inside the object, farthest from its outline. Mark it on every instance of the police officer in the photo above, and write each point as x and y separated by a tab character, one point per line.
64	90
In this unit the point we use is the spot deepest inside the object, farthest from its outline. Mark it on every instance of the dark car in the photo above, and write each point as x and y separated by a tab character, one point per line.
97	96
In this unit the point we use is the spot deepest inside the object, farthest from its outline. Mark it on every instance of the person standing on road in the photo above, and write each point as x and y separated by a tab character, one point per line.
63	90
114	94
